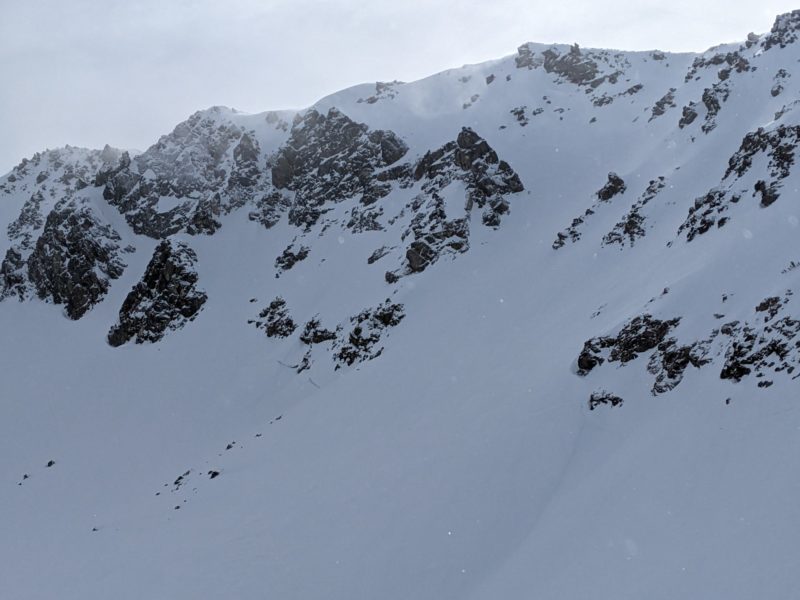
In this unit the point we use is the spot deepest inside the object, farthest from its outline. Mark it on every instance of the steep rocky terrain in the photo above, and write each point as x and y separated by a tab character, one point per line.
165	299
527	328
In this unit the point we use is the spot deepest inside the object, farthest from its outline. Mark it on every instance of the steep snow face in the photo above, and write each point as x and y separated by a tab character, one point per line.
521	329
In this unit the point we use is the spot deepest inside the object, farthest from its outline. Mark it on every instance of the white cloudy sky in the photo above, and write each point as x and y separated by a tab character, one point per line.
87	72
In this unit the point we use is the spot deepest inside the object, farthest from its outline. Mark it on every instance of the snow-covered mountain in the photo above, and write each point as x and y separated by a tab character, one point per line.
523	329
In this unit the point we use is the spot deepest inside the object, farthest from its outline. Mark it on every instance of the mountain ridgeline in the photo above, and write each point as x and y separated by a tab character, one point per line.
294	168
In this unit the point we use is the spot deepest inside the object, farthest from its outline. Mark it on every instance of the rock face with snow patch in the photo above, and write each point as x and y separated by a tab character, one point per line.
275	319
207	167
604	398
777	147
434	230
72	262
290	257
766	344
640	335
784	31
770	342
65	170
329	158
632	225
22	232
614	186
60	249
166	298
363	340
663	104
668	359
591	70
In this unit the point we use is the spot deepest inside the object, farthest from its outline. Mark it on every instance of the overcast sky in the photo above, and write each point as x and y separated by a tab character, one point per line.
90	72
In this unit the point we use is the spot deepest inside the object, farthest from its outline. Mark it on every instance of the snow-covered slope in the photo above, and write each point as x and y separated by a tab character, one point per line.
524	329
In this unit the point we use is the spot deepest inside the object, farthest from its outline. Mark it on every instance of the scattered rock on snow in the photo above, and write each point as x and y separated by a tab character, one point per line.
275	319
603	398
368	329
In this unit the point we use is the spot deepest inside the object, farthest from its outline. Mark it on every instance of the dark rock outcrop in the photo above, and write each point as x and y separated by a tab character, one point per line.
365	218
117	180
779	145
30	220
756	348
269	208
713	98
631	227
438	229
315	333
705	213
604	398
784	31
671	359
384	90
204	219
275	319
369	327
587	69
668	359
688	115
641	334
13	275
662	104
23	232
378	254
572	233
329	158
166	298
780	78
729	61
573	66
206	167
66	170
290	257
520	116
766	345
615	185
526	58
74	259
